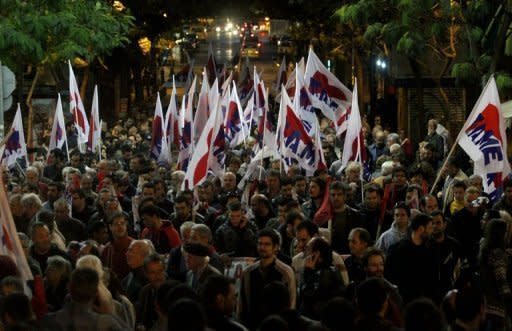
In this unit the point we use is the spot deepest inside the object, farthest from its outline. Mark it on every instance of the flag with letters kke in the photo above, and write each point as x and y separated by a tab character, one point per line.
234	125
76	107
292	139
327	92
186	128
354	149
483	138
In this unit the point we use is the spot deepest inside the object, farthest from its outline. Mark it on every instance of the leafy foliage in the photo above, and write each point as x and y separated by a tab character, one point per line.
45	32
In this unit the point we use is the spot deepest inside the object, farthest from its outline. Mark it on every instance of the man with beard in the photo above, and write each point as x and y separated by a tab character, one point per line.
266	270
411	265
447	252
371	215
316	193
396	190
378	148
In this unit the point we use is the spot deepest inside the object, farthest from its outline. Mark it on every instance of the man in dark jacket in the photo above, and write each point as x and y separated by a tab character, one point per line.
411	265
344	218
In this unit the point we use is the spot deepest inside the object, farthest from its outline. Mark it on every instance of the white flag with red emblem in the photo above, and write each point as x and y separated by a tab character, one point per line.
76	107
58	136
15	146
354	149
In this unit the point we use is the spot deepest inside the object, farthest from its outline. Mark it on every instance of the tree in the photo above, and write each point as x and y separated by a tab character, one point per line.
44	34
444	30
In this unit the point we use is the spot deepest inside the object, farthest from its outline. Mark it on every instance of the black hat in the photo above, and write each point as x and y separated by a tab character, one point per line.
196	249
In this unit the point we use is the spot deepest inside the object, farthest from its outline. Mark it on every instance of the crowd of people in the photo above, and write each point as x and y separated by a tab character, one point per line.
119	245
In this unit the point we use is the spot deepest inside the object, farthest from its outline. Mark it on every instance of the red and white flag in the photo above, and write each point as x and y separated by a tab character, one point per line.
58	138
94	142
302	103
328	93
290	82
15	146
158	138
186	128
354	149
292	139
259	93
202	110
281	76
76	107
201	159
483	138
234	124
172	122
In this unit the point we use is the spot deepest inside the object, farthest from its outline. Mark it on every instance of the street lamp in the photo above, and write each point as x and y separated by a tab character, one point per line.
381	64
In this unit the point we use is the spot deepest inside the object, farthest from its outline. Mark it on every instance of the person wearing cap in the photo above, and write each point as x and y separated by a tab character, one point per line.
196	260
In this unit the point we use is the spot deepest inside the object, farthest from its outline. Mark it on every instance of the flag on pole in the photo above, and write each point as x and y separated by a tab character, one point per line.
484	139
354	149
94	142
302	103
187	132
158	141
201	159
217	159
281	75
76	107
211	67
328	93
234	125
202	110
58	137
10	244
292	140
290	81
172	120
249	119
259	94
266	134
15	146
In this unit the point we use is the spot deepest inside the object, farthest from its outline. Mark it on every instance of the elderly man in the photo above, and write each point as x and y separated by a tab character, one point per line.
32	204
196	260
32	177
71	228
136	279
